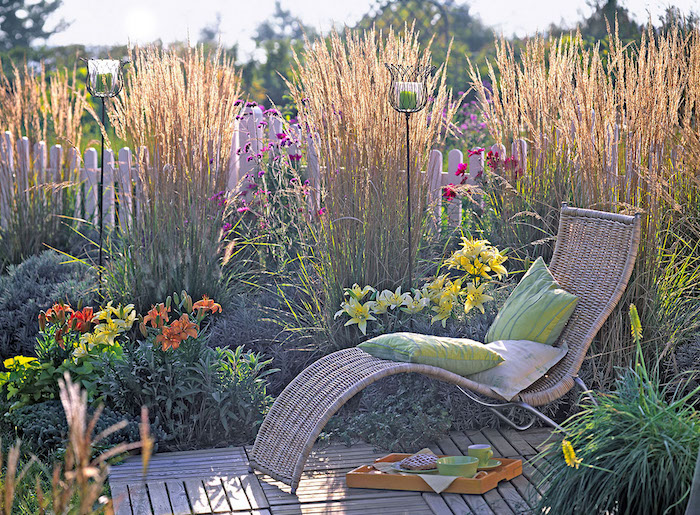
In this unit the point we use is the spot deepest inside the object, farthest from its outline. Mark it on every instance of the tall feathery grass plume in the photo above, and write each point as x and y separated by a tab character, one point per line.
41	106
613	130
341	87
177	113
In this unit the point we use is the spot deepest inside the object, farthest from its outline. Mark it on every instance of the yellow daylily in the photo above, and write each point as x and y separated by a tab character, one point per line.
416	304
472	248
125	314
475	298
496	264
19	361
359	293
395	298
359	314
381	306
442	311
478	269
343	309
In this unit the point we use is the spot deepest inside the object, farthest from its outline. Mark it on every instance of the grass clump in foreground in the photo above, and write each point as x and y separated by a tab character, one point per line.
632	453
78	481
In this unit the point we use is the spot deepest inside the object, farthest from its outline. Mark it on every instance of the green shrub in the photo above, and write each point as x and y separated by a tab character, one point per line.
632	453
401	414
43	427
36	285
202	396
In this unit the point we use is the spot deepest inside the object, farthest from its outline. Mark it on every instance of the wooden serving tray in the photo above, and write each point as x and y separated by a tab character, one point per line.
367	476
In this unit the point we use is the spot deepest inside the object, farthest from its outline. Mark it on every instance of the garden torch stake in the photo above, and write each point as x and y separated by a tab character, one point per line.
101	201
408	208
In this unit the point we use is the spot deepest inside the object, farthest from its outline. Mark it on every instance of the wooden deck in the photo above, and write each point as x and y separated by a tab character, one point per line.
218	481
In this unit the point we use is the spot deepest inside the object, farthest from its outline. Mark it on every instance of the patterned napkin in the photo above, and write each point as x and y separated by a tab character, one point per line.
436	482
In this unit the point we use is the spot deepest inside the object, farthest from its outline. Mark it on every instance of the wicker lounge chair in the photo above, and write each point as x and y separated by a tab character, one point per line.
593	258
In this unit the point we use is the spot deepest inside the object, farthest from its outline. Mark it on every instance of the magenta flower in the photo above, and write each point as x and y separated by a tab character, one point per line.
281	135
242	209
295	157
449	192
462	169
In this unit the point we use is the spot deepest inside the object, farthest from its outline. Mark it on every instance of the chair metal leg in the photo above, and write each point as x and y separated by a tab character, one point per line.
534	412
579	382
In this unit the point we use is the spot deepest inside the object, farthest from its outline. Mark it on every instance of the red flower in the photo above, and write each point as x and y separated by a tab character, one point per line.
157	316
475	152
462	169
449	192
59	313
81	321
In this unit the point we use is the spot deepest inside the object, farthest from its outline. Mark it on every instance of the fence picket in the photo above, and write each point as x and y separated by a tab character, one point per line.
125	198
40	173
23	168
454	206
108	190
90	177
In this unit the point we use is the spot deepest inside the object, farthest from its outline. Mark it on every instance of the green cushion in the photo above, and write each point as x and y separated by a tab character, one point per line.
537	310
458	355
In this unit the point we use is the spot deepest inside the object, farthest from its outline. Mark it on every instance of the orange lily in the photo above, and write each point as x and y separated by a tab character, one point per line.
157	316
207	304
177	332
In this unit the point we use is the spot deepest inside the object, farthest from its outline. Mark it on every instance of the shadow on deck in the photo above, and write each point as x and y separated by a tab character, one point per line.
218	481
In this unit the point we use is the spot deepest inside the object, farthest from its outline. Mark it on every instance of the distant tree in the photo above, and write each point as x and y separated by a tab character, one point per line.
446	21
275	37
210	33
23	21
595	27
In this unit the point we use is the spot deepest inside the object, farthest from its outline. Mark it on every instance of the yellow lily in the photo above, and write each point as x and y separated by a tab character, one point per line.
476	298
359	314
359	293
416	304
395	298
496	264
442	311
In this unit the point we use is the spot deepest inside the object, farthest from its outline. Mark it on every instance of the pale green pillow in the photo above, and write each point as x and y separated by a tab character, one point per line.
524	363
537	310
458	355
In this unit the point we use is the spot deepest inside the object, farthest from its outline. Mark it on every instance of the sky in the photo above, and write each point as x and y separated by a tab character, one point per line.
100	22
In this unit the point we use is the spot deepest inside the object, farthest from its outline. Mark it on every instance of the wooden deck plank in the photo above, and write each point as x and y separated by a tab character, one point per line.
236	494
178	498
197	495
478	437
120	498
384	506
437	504
338	456
461	440
457	504
139	499
514	500
217	496
253	491
316	487
534	476
497	503
537	436
500	444
526	490
159	499
448	446
516	440
478	505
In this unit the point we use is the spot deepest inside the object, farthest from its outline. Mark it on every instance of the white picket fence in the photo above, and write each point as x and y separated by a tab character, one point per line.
123	193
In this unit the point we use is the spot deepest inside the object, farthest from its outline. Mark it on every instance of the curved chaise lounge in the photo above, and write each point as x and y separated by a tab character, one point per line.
593	258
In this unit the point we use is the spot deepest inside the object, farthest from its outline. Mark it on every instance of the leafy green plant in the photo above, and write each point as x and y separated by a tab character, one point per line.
201	396
78	481
32	286
43	428
400	414
632	452
69	341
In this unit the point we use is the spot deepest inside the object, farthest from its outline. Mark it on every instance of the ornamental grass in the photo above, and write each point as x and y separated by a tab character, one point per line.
177	114
613	130
40	106
341	86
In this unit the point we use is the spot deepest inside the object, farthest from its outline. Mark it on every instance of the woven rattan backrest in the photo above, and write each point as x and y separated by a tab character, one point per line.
593	259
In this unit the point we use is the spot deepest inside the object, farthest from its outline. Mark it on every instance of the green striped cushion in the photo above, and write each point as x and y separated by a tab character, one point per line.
537	310
458	355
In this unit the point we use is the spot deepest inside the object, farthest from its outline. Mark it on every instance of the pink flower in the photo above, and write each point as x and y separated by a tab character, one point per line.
475	152
322	211
295	157
242	209
462	169
281	135
449	192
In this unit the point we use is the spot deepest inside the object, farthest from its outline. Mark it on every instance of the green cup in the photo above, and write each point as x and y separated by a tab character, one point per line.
481	451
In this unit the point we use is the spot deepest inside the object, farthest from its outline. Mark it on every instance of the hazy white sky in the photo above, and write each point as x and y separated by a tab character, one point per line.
100	22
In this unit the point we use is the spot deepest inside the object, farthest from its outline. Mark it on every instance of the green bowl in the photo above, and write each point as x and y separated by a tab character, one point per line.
464	466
